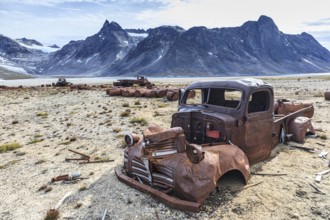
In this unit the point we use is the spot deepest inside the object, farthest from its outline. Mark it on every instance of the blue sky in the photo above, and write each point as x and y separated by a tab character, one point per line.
59	21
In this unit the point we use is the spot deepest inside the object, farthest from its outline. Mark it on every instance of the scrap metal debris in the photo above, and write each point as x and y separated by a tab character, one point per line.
68	178
83	156
323	154
317	190
268	174
321	174
87	159
310	150
169	94
104	213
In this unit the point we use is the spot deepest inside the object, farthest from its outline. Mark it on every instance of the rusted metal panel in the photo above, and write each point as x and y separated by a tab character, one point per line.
227	126
163	197
189	172
298	127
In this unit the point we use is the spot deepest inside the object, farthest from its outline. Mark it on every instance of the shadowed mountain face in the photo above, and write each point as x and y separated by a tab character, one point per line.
93	55
255	48
15	57
9	48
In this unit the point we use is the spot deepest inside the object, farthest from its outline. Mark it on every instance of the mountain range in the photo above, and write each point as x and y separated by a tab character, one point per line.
254	48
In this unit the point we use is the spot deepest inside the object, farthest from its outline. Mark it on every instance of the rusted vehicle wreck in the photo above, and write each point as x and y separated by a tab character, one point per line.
225	127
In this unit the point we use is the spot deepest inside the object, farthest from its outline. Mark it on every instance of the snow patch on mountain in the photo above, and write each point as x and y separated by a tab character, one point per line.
44	49
14	68
11	66
143	35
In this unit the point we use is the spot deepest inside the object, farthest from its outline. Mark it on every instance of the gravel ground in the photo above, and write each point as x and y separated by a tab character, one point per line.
47	122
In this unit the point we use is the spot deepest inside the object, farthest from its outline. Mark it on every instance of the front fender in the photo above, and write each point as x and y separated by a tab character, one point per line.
231	157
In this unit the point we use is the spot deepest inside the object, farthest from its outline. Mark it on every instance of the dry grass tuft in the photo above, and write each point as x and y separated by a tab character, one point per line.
125	114
141	121
125	105
35	141
52	214
116	130
9	147
42	114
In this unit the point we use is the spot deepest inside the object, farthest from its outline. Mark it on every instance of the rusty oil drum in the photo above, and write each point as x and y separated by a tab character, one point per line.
288	107
327	95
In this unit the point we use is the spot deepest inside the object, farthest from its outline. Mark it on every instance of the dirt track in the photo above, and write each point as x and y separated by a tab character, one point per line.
48	121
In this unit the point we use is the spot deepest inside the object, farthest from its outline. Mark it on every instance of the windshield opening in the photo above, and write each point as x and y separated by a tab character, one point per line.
229	98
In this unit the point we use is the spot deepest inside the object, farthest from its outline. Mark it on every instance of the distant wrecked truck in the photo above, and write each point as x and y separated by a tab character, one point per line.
224	128
62	83
140	80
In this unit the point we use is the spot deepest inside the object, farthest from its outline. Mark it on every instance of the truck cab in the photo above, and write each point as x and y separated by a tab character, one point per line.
239	112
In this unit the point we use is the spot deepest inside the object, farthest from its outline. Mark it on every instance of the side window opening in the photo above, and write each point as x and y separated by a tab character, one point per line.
195	97
258	102
229	98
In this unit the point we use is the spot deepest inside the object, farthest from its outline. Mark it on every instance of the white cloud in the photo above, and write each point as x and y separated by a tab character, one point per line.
224	13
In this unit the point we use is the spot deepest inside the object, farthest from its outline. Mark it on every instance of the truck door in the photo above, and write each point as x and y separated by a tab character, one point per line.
259	126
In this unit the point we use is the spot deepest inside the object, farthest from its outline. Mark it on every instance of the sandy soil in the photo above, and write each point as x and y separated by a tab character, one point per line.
90	122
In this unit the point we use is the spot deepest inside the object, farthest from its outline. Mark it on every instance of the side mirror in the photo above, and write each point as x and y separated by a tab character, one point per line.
181	93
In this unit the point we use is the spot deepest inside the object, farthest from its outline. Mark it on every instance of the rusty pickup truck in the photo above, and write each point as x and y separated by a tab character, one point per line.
224	127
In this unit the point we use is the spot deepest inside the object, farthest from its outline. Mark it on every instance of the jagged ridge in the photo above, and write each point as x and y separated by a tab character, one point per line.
255	48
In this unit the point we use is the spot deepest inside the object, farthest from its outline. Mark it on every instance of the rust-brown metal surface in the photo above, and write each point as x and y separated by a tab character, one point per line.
327	95
163	160
221	126
171	201
298	127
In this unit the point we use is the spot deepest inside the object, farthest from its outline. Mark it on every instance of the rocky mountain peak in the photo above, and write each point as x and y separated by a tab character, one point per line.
29	42
113	26
11	47
165	32
267	23
263	19
256	47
